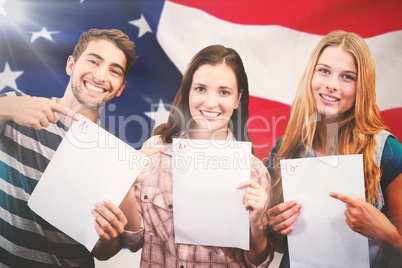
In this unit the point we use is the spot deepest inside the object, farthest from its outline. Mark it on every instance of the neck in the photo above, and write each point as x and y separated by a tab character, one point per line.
198	134
325	137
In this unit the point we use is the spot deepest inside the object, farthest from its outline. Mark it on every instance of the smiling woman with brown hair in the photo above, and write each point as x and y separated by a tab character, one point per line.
211	104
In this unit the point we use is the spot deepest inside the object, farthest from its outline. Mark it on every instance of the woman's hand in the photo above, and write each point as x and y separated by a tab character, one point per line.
367	220
281	218
255	200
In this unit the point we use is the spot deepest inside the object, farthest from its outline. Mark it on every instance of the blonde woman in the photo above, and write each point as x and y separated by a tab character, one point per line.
335	113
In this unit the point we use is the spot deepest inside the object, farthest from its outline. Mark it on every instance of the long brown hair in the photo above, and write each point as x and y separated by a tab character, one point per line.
179	116
356	127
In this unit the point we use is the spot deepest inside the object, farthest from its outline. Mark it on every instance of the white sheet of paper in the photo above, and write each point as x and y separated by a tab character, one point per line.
208	207
89	166
321	237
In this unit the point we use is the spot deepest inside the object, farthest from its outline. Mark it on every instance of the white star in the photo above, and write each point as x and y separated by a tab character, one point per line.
142	24
8	77
2	10
43	33
81	1
158	113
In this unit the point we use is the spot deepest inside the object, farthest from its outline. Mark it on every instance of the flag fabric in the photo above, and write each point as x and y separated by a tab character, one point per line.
274	39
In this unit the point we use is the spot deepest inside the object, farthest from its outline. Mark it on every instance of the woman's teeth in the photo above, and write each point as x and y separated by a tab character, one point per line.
209	114
328	98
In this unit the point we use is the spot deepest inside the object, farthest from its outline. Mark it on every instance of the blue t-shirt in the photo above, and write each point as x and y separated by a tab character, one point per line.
391	161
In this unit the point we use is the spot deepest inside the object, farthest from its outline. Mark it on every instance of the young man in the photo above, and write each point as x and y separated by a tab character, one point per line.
31	129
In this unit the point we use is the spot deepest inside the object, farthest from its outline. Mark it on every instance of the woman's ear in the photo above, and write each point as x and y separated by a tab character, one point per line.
238	99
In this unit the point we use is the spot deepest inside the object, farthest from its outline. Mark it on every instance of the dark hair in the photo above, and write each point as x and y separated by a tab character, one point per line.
120	39
180	113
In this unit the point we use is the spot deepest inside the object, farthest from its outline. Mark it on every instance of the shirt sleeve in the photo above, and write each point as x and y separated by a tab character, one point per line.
152	142
391	161
2	127
134	240
265	263
11	93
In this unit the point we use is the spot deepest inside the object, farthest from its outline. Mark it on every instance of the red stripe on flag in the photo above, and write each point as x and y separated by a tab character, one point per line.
365	17
393	118
267	122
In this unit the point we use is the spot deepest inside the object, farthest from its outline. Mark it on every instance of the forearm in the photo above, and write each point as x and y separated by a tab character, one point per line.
104	250
129	208
278	241
390	241
259	245
391	247
4	109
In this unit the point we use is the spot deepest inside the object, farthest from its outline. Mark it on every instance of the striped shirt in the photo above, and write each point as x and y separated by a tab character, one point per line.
26	240
156	236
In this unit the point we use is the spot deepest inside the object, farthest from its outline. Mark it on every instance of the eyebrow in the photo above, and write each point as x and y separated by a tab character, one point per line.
102	59
331	68
202	85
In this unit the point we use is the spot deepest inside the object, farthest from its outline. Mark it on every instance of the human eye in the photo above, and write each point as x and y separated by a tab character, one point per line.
225	93
116	72
349	77
199	89
323	70
92	61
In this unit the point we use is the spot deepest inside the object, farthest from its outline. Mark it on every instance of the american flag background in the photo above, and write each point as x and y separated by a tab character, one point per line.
274	39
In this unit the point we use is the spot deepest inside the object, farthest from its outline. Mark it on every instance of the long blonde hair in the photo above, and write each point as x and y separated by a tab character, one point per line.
356	127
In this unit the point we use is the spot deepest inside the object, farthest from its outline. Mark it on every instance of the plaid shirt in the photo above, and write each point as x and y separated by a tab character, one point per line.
156	236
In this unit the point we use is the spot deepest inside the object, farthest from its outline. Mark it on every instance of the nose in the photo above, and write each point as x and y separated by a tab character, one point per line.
99	75
333	82
211	100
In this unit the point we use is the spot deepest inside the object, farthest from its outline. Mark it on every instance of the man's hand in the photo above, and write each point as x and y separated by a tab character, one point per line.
110	220
34	112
